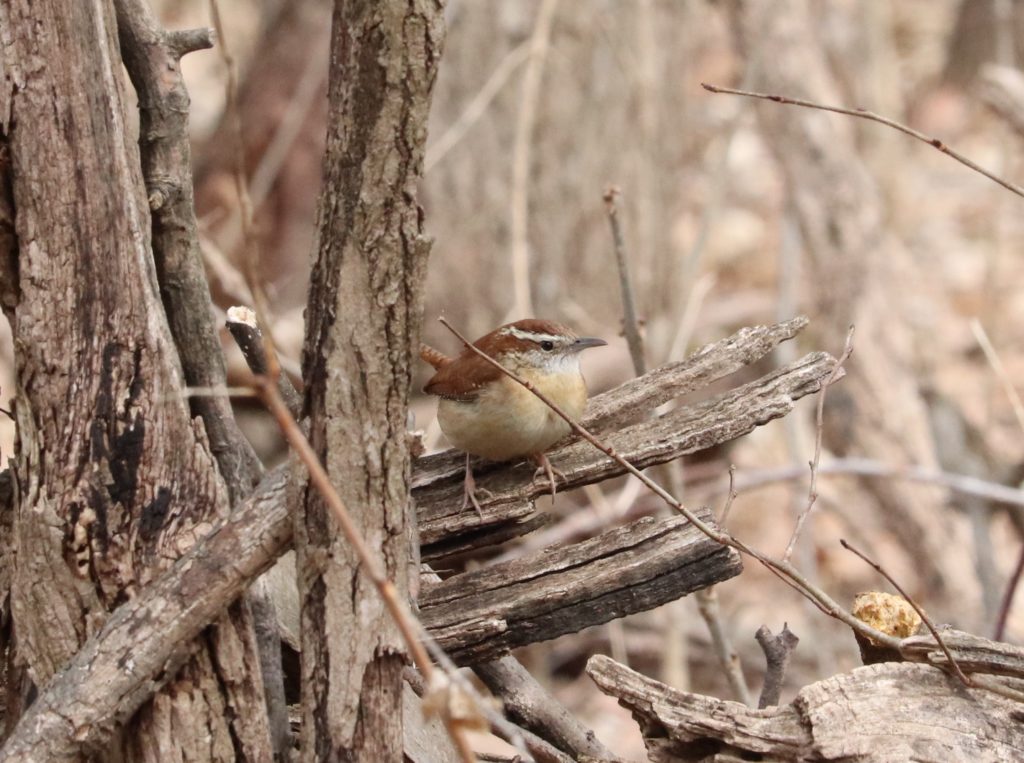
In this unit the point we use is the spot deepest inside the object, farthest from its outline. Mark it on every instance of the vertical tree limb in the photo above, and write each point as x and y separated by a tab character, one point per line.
362	329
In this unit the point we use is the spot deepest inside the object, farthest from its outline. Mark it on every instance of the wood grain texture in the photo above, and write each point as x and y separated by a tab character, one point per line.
874	714
480	615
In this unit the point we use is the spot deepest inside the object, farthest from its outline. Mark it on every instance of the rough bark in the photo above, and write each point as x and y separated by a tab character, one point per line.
362	328
142	642
247	635
113	478
879	713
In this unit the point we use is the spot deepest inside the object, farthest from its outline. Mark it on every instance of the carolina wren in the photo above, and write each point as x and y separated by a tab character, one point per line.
486	413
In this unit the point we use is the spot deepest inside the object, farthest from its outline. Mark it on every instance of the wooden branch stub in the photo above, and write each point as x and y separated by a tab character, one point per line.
481	615
884	712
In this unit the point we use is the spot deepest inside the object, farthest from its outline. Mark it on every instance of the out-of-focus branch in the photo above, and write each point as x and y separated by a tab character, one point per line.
864	114
521	151
812	490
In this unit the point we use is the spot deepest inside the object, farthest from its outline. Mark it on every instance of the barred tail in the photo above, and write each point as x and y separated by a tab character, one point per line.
436	358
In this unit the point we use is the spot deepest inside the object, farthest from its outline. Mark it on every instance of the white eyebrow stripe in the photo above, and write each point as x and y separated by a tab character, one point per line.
531	336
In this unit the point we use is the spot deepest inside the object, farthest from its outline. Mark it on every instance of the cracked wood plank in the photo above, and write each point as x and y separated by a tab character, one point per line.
481	615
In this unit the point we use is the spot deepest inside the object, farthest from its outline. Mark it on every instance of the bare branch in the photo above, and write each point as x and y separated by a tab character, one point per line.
144	640
1007	601
812	491
151	57
864	114
630	326
527	116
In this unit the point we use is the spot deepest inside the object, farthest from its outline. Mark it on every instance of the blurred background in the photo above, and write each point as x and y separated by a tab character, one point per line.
734	212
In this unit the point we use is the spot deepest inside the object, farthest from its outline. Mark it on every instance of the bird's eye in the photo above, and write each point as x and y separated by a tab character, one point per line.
547	345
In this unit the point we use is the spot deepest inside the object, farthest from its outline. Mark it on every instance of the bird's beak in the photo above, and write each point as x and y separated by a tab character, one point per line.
587	341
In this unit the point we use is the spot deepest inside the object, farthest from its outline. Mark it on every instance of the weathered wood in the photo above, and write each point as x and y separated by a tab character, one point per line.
879	713
145	639
245	640
973	654
681	431
481	615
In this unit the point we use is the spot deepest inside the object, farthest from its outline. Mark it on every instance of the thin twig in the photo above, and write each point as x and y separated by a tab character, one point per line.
630	325
411	629
730	496
1000	370
707	604
784	569
812	492
917	608
523	303
1007	602
867	467
865	114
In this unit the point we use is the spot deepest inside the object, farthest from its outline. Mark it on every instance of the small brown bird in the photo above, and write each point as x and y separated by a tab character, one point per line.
485	413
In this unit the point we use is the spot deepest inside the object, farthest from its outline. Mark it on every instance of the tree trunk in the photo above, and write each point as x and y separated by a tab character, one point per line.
362	327
113	478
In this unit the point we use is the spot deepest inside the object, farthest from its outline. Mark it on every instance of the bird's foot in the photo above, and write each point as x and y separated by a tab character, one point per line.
471	491
544	468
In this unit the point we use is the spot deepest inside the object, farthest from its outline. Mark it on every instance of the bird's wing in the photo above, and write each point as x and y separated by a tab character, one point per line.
462	380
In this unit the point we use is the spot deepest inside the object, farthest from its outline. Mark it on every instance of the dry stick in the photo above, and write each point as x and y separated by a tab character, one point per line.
864	114
812	492
1007	602
783	570
630	325
728	657
521	157
1000	370
923	615
730	496
245	330
251	259
777	651
707	599
412	631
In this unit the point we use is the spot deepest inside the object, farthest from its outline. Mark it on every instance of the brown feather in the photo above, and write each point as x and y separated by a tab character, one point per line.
462	378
